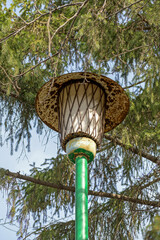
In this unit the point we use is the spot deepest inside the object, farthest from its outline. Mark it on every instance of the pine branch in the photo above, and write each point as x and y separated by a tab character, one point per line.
134	149
62	45
124	8
41	15
51	225
10	80
68	20
49	35
149	184
129	50
90	192
134	84
11	94
141	184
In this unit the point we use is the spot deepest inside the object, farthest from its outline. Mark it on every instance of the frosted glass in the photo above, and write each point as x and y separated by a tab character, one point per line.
81	111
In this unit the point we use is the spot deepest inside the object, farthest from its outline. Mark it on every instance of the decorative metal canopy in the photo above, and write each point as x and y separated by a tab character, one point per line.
106	102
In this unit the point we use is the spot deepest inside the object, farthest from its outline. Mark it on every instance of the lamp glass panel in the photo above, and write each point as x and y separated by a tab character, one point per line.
81	111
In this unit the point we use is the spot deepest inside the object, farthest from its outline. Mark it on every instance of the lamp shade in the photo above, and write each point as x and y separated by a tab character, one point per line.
81	111
82	104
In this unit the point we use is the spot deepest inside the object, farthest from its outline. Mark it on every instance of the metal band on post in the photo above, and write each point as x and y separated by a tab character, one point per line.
81	146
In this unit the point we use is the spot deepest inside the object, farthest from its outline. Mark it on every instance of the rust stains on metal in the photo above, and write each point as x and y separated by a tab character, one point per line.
117	102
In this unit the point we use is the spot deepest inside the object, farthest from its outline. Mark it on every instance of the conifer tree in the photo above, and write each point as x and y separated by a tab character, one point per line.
42	39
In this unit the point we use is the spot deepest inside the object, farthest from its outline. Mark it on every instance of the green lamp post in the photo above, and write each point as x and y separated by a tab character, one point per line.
81	107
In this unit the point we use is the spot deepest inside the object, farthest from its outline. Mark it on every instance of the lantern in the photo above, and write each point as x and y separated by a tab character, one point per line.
81	107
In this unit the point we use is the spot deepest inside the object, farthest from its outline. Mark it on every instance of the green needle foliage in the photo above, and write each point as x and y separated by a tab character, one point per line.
153	230
42	39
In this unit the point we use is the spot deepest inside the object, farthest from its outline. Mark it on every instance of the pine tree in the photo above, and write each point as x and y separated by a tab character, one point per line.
40	40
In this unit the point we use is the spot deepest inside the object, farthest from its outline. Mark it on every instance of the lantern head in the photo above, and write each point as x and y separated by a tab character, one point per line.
81	105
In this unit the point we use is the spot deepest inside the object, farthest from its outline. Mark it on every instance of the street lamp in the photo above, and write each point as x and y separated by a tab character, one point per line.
81	106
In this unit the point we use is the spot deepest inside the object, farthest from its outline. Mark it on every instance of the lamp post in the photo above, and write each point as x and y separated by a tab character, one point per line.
81	107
